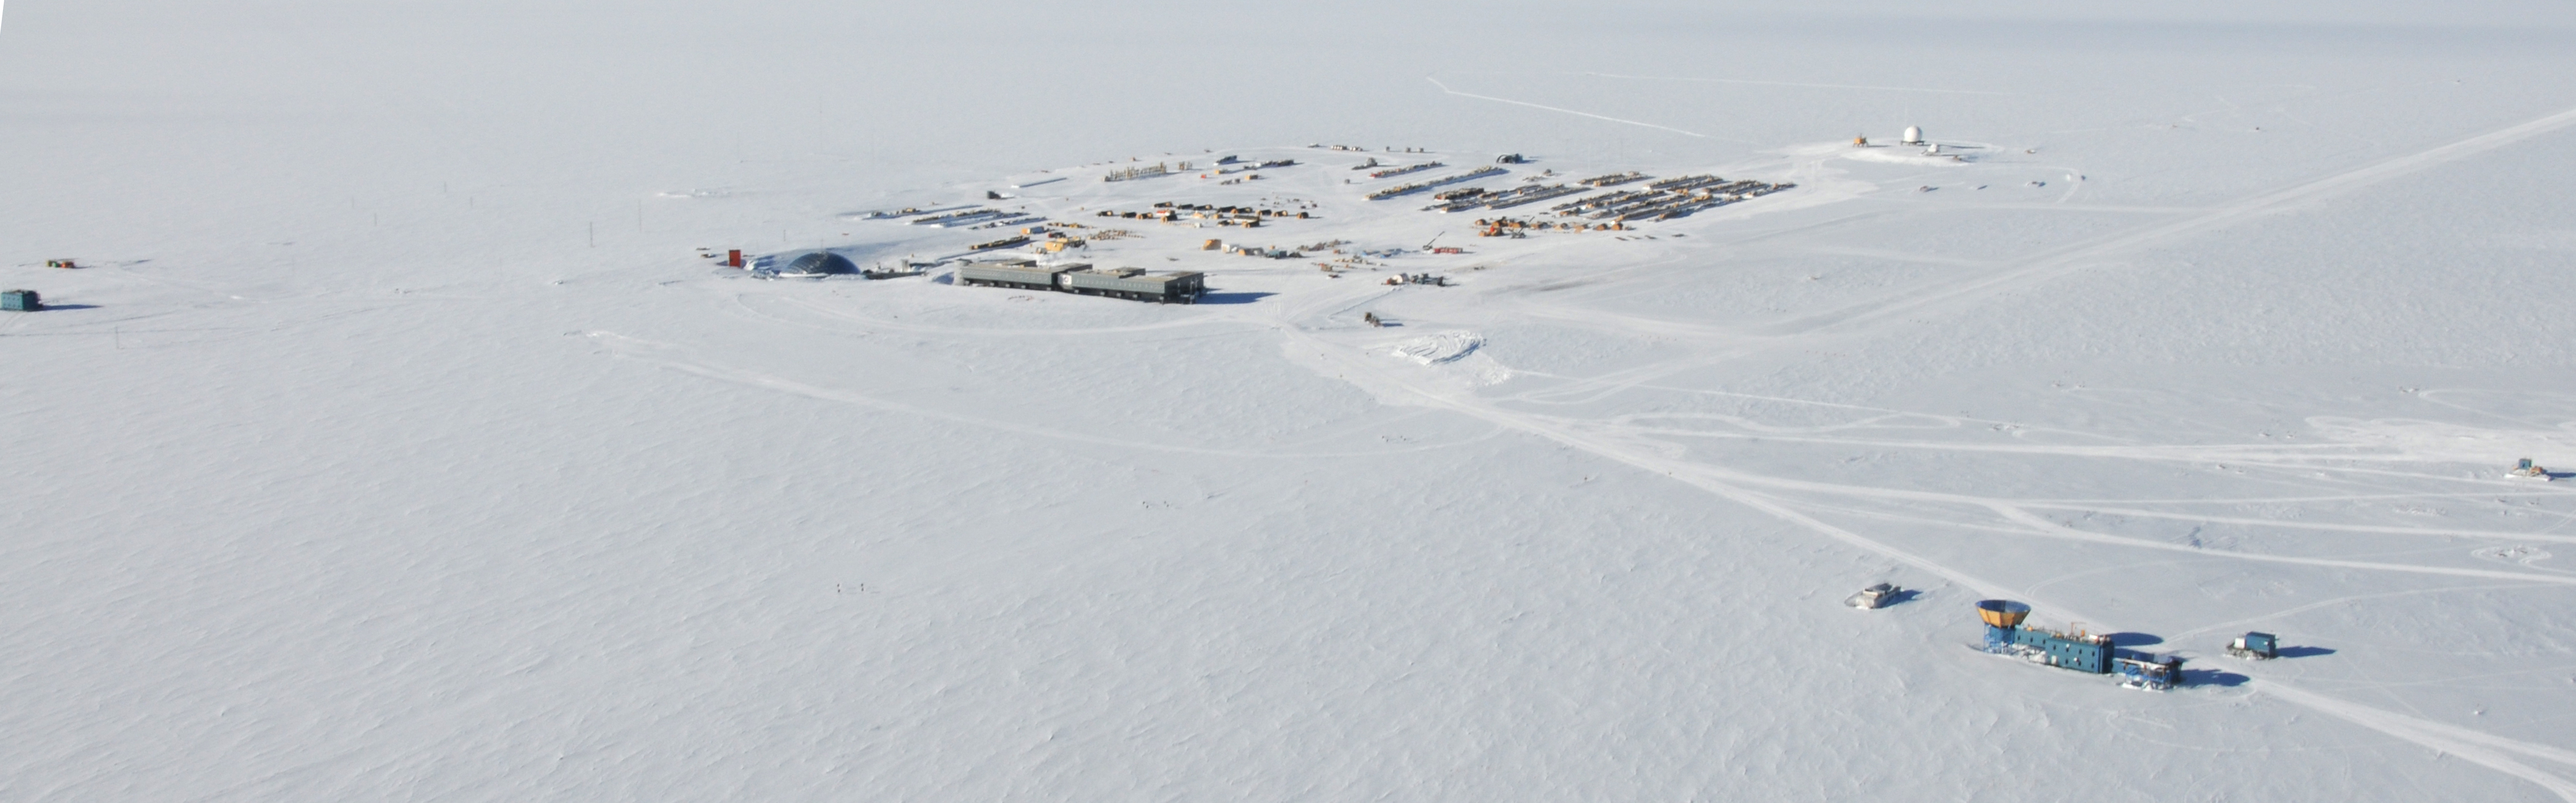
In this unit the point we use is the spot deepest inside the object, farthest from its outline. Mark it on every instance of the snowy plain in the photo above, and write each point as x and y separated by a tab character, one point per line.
396	443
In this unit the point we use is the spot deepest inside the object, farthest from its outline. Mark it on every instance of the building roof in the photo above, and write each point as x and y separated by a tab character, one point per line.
817	263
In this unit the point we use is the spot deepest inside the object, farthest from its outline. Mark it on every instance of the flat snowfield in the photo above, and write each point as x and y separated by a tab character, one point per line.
395	440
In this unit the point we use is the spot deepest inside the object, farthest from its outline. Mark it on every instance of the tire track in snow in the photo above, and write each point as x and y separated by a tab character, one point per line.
1796	84
1869	316
2249	455
1445	88
670	357
872	324
2485	749
2482	748
2183	454
2303	525
2071	260
1633	455
2042	526
1731	485
2329	603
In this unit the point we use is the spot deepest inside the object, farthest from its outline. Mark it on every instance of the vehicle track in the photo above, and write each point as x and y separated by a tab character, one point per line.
1874	316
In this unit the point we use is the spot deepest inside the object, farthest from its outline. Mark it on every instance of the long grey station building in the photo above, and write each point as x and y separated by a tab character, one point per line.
1179	287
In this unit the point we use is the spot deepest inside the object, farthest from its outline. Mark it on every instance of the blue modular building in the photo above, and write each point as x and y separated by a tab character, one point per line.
2255	645
2076	651
2150	672
2005	635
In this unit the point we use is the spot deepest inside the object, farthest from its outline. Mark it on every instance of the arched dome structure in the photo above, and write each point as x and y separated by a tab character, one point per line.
817	263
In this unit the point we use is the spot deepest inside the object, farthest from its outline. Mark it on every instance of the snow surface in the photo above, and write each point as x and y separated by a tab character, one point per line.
396	443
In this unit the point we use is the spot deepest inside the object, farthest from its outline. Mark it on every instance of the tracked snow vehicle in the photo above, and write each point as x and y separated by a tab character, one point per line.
1874	597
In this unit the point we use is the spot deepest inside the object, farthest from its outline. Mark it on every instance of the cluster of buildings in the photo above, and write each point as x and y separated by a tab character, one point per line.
1418	186
1659	200
1139	171
1517	227
1480	198
1613	179
1397	171
1613	205
1245	216
957	217
1666	199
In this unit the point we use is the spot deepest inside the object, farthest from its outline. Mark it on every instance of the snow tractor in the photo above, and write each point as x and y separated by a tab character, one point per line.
1874	597
2255	647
